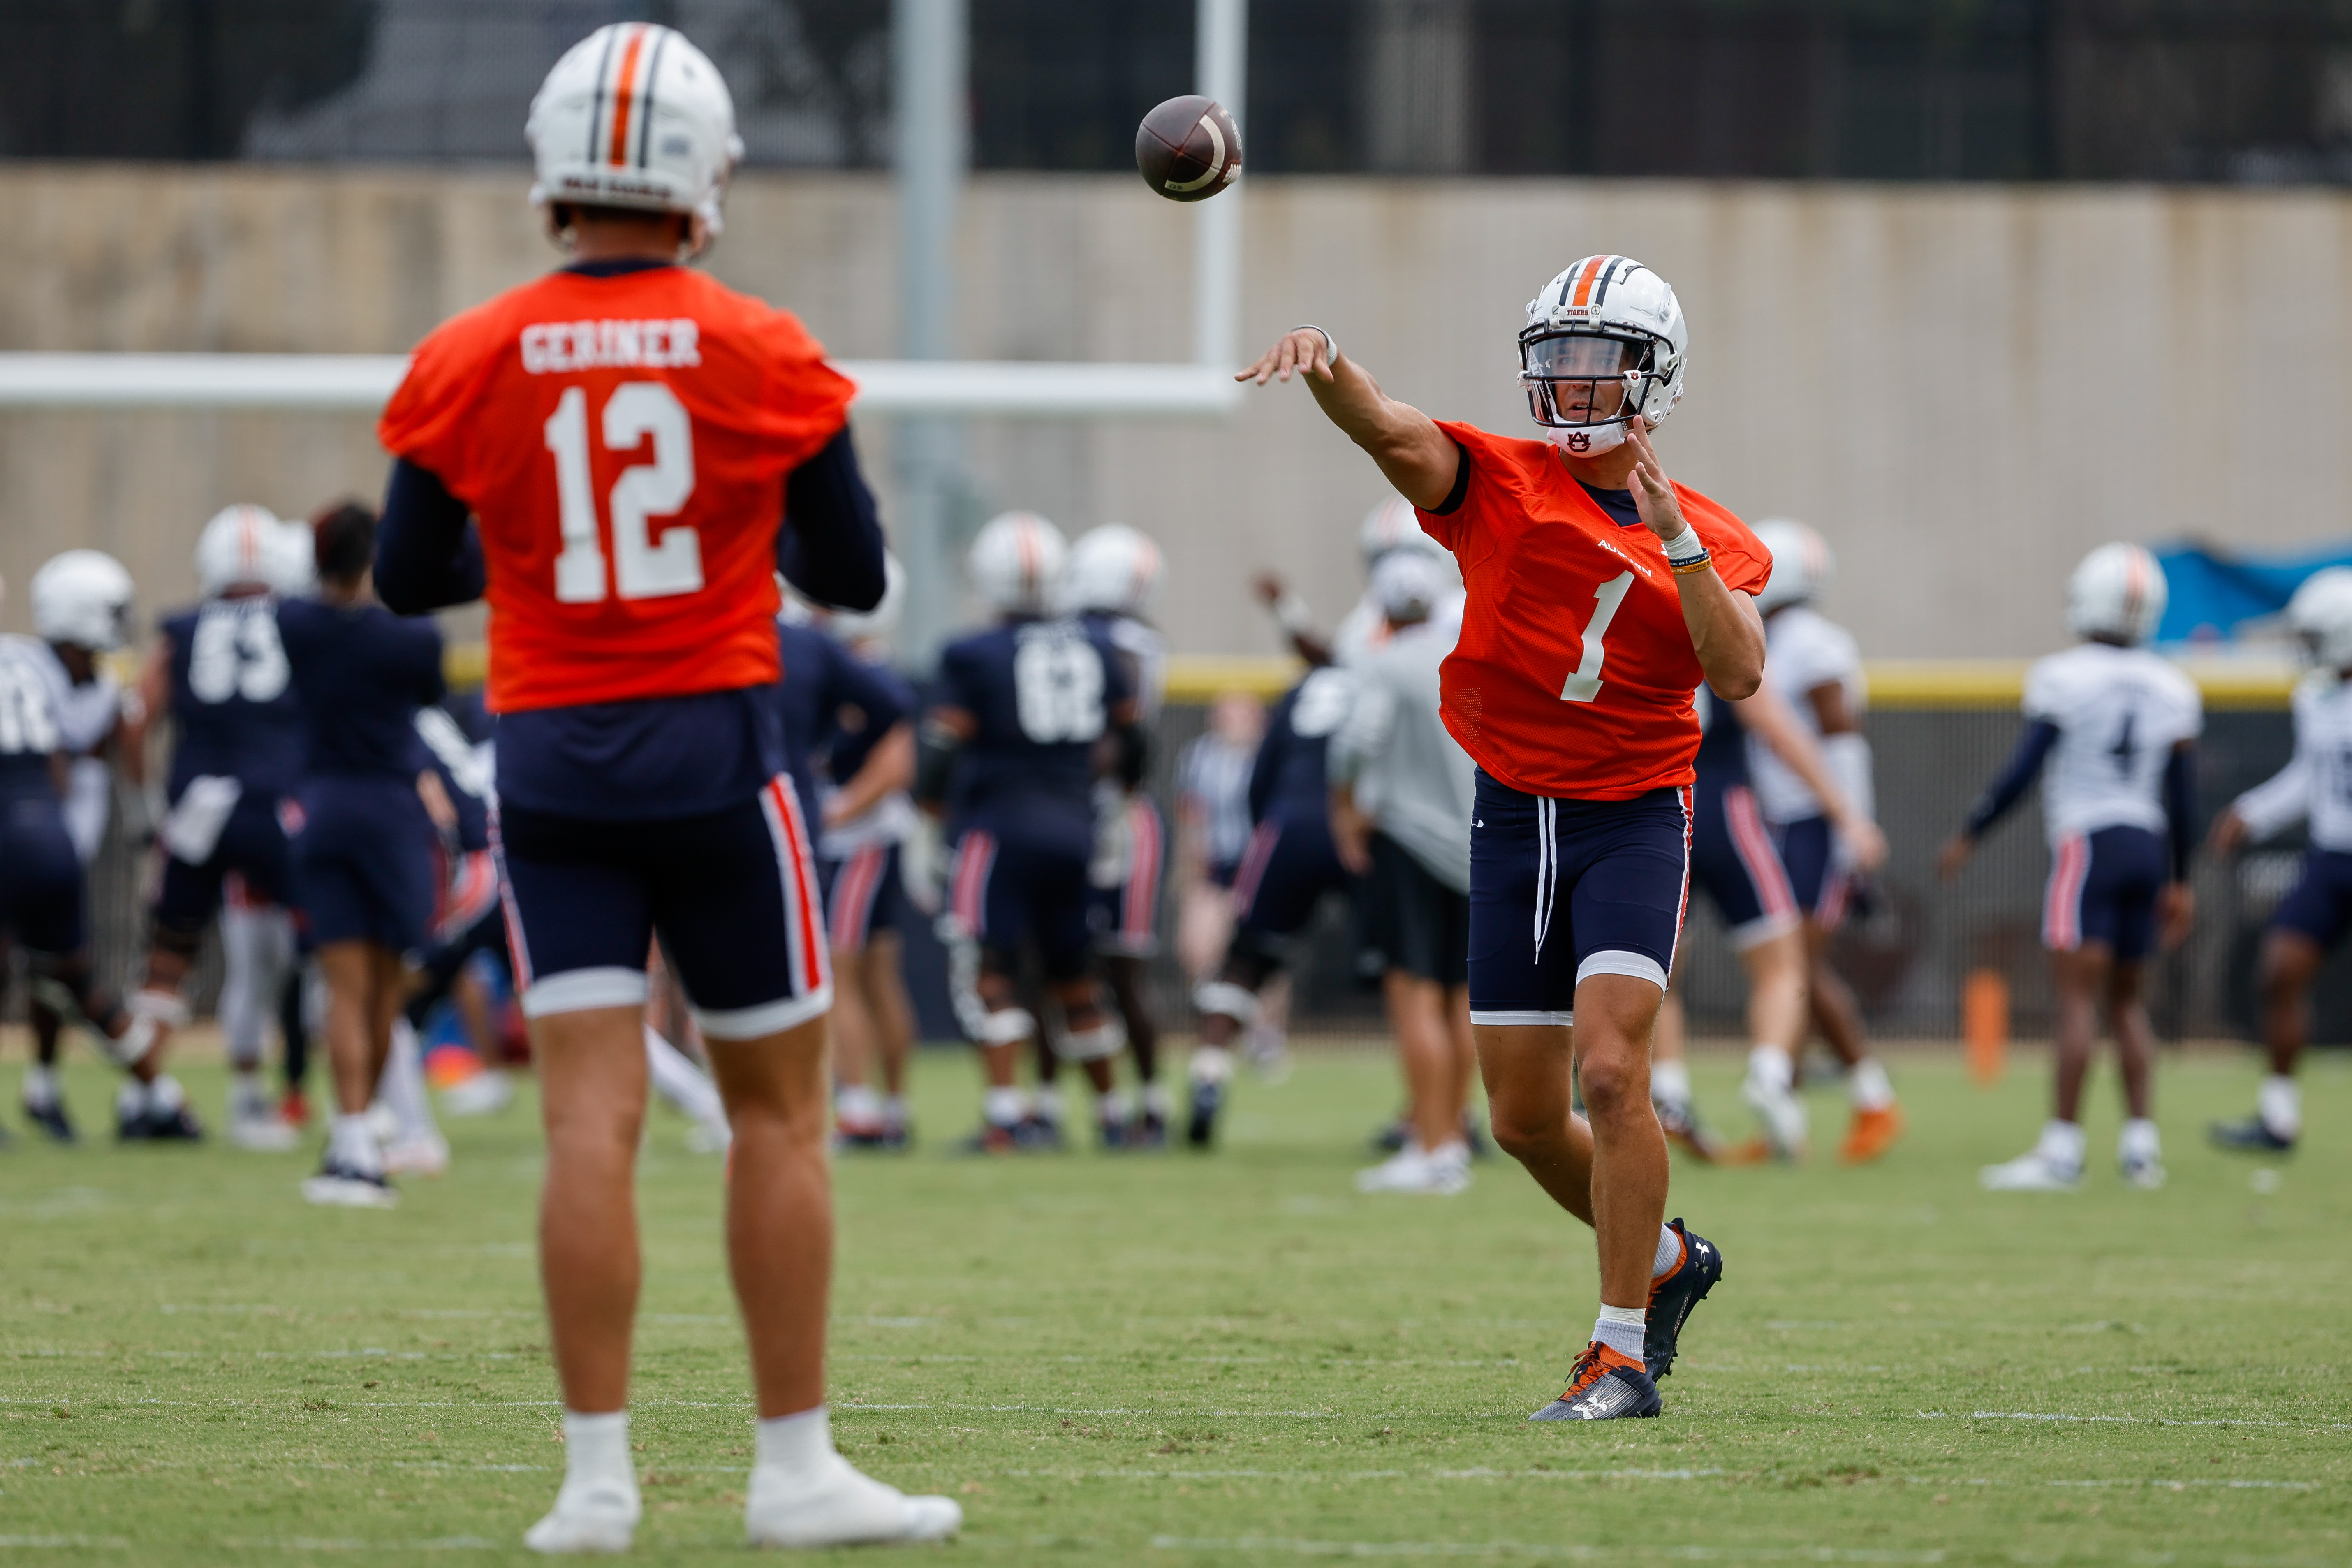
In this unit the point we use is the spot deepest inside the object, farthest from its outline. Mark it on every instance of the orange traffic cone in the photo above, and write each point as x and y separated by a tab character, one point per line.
1984	1023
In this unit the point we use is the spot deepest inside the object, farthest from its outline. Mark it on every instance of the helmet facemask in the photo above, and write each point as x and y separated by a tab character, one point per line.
1583	385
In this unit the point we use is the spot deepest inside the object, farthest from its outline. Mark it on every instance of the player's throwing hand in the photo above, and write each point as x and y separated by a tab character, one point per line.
1302	350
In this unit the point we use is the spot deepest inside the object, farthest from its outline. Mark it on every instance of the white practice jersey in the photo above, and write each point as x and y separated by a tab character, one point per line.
85	713
1803	650
28	707
1364	630
1143	642
2120	713
2318	782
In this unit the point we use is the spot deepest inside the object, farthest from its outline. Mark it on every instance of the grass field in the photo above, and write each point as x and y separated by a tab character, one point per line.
1235	1357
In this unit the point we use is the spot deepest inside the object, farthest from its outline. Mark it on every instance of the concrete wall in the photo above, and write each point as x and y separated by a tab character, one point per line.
1963	387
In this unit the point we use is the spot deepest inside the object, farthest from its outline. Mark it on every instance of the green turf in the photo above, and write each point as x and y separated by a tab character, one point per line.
1234	1358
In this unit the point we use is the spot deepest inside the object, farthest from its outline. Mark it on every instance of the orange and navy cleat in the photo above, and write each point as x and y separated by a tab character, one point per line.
1603	1386
1673	1297
1874	1132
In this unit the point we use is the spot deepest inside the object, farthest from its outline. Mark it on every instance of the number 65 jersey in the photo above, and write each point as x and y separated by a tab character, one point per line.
1573	675
623	439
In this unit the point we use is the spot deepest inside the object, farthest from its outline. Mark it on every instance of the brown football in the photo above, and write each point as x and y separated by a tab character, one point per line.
1187	149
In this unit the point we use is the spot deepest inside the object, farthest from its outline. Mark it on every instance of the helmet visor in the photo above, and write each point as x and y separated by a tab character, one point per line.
1583	378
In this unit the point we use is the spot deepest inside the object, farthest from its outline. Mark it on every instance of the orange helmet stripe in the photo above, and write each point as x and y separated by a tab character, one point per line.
629	57
1590	275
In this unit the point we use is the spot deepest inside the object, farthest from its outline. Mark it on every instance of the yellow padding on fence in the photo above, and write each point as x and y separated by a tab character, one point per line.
1894	682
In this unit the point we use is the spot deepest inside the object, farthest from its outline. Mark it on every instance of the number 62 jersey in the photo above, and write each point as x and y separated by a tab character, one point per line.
623	439
1041	695
1573	675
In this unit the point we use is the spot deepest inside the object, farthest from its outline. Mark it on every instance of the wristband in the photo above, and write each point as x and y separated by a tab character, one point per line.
1692	567
1290	612
1685	546
1331	349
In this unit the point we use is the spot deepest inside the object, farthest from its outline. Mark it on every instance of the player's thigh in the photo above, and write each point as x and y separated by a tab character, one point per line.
781	1076
254	844
1733	861
2129	868
591	1065
41	894
1626	869
579	917
2318	910
1520	957
1277	890
734	896
1805	850
853	886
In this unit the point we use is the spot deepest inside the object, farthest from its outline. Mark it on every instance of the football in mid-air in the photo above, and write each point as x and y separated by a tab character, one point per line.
1187	149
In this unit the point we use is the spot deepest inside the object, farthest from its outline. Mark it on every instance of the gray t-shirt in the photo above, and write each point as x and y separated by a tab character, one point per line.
1409	774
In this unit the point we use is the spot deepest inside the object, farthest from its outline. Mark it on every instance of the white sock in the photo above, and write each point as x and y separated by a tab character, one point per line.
856	1102
1670	1253
1158	1102
798	1444
1213	1064
2061	1144
1049	1105
1770	1064
1622	1329
164	1095
894	1110
402	1088
2280	1105
40	1086
1003	1107
2139	1141
1115	1105
596	1448
1670	1083
676	1080
1454	1152
351	1144
1866	1085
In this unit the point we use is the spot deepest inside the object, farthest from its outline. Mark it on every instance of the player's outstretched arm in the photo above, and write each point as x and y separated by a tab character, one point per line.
1419	458
1765	714
1725	631
428	554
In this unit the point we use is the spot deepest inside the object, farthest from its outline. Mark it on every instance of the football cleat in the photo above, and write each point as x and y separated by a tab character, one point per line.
1780	1111
840	1506
1682	1126
1410	1170
1147	1134
591	1516
1603	1386
990	1138
2146	1173
52	1119
2030	1172
425	1154
294	1107
1872	1134
1039	1135
2252	1136
339	1186
1672	1298
486	1093
177	1125
1200	1129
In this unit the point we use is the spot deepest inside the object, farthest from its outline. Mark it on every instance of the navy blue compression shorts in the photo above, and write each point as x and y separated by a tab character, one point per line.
41	900
1734	863
253	843
1807	849
364	863
2103	889
863	895
1012	884
1289	865
1125	918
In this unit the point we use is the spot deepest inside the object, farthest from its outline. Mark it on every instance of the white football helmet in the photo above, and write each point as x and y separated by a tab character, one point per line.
1014	561
634	116
870	626
2321	614
294	560
2118	591
83	597
1802	563
1392	525
1604	340
1114	569
242	544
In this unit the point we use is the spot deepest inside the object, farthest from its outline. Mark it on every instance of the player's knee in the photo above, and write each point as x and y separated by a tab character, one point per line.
1006	1026
1614	1082
1525	1126
1098	1041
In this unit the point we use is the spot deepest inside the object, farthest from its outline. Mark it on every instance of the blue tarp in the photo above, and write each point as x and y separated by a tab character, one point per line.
2215	594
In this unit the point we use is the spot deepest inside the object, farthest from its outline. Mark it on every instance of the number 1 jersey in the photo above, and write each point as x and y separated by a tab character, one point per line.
1573	675
623	441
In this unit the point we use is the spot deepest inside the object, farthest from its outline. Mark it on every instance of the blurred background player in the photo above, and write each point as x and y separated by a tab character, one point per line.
218	672
2316	787
1019	713
364	860
1391	525
43	897
629	557
1113	575
1212	828
1402	792
2116	727
1736	864
81	602
840	712
1815	667
1290	863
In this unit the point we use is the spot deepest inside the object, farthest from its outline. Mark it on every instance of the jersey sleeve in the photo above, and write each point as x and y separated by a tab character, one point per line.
1817	655
805	401
1446	525
959	683
2044	691
431	417
2190	714
1739	557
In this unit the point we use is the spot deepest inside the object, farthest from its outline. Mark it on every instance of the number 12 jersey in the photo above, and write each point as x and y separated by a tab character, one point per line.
623	441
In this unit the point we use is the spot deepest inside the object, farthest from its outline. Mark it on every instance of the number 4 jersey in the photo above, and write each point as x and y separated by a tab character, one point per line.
2120	713
1574	672
622	440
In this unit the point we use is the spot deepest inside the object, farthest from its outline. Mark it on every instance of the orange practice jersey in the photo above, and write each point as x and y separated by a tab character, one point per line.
623	442
1574	672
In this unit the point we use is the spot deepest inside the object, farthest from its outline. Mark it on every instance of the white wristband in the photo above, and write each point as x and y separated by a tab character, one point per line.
1685	546
1331	349
1290	612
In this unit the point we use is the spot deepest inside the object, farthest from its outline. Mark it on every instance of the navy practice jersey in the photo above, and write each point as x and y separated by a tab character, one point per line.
1041	693
464	771
821	678
235	713
362	673
30	733
859	725
1722	742
1290	778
